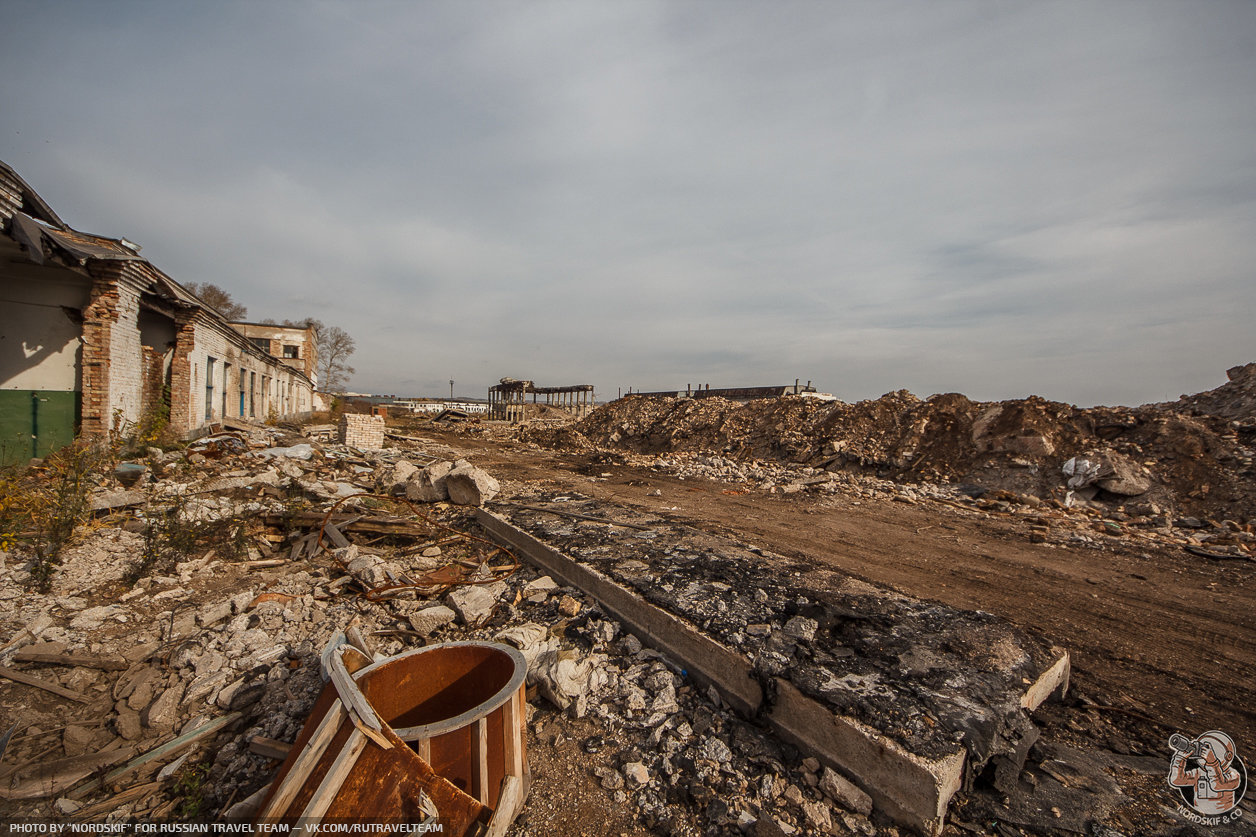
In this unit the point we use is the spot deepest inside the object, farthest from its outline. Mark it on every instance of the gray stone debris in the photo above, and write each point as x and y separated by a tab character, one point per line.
429	619
428	485
471	486
473	604
396	477
636	774
539	587
836	787
801	628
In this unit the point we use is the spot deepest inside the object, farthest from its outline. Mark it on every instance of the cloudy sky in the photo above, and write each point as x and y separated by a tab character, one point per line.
994	198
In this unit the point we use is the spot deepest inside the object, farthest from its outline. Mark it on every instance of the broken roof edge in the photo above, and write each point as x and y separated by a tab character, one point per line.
32	230
31	198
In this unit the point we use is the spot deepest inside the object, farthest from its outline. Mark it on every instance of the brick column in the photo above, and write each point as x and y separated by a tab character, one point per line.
98	319
181	373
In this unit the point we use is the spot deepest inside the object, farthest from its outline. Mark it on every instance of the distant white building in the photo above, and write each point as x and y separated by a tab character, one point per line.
423	405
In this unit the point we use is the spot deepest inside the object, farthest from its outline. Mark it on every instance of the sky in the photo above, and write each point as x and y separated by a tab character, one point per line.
993	198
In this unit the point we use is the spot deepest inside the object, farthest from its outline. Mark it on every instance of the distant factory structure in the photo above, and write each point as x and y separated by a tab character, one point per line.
740	393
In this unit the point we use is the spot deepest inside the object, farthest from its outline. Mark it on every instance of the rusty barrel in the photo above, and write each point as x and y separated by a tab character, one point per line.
460	706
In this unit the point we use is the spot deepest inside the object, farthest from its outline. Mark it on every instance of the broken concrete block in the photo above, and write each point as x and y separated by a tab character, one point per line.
568	606
212	614
532	640
472	604
104	501
713	749
766	827
1127	477
428	619
563	679
817	816
163	712
471	486
428	485
206	684
836	787
636	774
94	617
226	693
76	740
801	628
127	723
139	690
544	584
396	478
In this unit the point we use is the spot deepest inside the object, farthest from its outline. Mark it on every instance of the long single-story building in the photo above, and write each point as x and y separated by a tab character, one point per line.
95	338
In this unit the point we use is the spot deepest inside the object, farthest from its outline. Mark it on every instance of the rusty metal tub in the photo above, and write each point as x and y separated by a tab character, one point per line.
435	732
460	706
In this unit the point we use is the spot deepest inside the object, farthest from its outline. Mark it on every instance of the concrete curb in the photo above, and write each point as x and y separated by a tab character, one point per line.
707	662
912	790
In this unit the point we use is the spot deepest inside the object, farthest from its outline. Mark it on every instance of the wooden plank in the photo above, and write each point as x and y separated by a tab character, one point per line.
369	525
116	800
511	744
336	537
479	760
43	778
24	678
269	747
85	660
336	775
349	691
168	749
508	803
306	762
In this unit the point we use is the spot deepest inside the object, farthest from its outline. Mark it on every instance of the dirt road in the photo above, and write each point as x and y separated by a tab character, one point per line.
1153	631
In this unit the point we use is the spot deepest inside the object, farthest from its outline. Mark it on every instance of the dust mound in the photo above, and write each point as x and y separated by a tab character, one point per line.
1235	399
1192	457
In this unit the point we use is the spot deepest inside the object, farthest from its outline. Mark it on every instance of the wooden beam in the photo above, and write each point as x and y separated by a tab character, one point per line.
85	660
29	680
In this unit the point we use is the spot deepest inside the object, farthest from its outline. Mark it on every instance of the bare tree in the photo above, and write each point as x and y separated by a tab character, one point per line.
218	299
334	347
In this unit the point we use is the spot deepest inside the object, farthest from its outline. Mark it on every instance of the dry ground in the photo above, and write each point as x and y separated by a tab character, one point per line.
1153	631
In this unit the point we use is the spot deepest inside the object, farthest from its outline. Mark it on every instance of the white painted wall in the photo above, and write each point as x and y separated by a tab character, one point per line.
39	345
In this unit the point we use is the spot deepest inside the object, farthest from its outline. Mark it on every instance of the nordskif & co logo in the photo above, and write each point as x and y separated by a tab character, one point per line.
1208	776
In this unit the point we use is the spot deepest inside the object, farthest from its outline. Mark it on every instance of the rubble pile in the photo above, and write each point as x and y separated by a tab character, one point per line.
1193	458
220	648
1234	400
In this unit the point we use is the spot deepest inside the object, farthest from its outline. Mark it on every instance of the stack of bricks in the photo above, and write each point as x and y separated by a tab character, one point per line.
362	432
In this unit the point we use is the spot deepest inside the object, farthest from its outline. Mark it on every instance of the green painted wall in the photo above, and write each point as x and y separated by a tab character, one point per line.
36	422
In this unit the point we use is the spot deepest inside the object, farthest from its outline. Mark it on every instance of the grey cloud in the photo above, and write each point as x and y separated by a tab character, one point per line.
997	198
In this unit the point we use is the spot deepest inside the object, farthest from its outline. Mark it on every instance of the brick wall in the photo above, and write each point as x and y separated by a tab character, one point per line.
126	360
362	432
99	317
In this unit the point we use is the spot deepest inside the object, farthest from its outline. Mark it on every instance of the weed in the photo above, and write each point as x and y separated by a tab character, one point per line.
44	506
174	533
189	789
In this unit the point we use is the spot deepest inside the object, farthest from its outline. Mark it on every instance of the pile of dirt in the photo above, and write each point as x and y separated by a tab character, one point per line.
1235	399
1194	457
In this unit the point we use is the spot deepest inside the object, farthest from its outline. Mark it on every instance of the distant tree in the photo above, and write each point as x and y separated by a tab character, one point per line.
218	299
334	347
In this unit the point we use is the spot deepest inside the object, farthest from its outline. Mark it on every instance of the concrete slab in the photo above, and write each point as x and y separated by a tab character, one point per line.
909	699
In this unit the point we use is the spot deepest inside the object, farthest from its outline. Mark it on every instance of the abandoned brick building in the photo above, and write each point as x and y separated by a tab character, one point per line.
93	337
